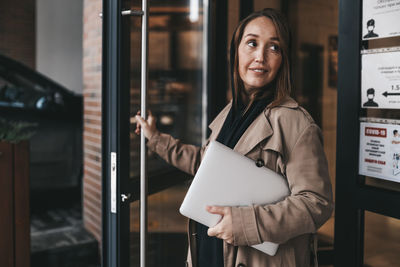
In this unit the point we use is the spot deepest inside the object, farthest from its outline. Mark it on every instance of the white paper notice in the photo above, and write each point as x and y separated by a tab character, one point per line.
380	19
380	80
380	150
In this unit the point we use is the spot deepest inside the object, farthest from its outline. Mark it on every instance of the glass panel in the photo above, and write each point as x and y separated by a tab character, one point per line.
175	99
41	83
166	227
381	240
386	115
314	66
19	87
175	75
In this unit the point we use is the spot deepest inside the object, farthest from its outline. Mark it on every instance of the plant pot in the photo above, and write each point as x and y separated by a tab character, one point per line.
14	204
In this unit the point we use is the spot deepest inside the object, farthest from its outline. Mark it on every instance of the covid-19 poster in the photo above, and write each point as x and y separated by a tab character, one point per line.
380	79
380	19
380	150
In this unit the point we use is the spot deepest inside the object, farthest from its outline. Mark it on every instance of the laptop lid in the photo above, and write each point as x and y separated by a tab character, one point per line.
227	178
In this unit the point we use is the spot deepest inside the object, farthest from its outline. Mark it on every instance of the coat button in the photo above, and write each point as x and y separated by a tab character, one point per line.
241	265
259	163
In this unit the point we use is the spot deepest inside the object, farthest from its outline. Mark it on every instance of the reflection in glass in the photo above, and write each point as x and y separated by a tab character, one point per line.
175	99
175	76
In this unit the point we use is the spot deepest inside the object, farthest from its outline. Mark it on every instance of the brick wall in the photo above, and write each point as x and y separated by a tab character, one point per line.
17	30
92	46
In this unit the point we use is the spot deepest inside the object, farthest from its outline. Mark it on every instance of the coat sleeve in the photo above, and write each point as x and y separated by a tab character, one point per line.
304	211
183	156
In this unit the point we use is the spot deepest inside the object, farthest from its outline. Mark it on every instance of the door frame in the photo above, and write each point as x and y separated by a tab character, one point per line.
353	196
111	63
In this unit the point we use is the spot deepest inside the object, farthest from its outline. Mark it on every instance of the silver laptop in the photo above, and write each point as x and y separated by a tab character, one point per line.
227	178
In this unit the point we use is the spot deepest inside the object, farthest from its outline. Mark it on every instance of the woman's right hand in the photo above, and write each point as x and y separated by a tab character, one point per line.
148	126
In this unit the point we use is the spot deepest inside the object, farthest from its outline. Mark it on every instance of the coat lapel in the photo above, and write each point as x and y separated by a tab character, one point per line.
259	130
218	122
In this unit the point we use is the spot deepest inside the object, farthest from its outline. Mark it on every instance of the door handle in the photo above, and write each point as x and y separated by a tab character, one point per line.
127	13
132	13
143	150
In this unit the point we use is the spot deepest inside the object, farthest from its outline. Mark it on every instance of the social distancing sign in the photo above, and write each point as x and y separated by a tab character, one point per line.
380	150
380	19
380	80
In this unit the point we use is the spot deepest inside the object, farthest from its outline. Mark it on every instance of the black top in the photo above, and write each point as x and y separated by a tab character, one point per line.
210	249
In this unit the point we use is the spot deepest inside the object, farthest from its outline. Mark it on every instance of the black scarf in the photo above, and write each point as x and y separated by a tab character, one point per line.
237	123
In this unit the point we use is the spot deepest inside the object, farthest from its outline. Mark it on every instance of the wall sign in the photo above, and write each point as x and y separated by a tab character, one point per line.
380	150
380	19
380	79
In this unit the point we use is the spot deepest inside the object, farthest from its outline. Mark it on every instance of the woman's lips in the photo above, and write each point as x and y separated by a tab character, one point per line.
258	70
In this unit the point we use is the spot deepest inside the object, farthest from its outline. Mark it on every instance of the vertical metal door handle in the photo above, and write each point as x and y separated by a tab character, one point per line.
143	154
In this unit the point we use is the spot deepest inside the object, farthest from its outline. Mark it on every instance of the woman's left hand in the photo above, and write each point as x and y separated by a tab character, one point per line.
224	229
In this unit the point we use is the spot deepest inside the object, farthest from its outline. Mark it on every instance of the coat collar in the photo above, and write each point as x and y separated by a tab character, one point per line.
258	130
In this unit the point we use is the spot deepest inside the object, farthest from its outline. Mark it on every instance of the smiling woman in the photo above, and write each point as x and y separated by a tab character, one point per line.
259	55
266	125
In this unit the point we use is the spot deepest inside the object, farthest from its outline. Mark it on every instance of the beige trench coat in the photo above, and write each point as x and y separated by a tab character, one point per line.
289	142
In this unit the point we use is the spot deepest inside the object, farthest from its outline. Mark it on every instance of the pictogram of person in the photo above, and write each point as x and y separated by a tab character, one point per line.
396	152
370	95
371	27
396	137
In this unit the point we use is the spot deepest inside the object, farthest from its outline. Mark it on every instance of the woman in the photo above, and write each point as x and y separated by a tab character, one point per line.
263	123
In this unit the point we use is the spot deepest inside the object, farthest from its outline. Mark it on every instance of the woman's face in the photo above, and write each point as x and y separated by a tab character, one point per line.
259	54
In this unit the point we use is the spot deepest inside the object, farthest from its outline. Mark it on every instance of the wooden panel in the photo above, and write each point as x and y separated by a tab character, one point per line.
6	206
21	204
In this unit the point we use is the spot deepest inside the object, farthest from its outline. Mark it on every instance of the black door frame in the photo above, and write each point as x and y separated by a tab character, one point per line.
110	86
353	196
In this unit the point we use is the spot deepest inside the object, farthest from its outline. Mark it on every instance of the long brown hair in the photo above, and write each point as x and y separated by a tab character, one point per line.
282	81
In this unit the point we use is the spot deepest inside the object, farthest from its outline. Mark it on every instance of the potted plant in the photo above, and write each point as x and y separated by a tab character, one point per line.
14	193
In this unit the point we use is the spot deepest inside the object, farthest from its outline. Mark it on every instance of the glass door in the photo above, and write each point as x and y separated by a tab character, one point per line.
177	78
174	95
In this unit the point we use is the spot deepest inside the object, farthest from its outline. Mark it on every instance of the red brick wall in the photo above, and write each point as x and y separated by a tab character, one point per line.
17	30
92	46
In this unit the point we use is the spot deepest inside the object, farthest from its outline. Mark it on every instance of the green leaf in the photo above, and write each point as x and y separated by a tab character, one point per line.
16	131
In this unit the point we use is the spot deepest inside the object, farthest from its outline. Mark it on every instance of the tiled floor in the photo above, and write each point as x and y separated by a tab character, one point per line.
59	239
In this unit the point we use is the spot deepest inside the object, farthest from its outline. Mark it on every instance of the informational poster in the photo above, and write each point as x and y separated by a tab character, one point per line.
380	80
380	150
380	19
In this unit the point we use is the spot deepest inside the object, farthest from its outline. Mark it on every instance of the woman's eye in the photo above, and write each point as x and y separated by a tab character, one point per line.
275	48
252	43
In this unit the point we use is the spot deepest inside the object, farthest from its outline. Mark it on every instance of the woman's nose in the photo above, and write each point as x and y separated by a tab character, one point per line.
260	55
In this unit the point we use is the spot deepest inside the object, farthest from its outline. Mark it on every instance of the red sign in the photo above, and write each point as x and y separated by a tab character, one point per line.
376	132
